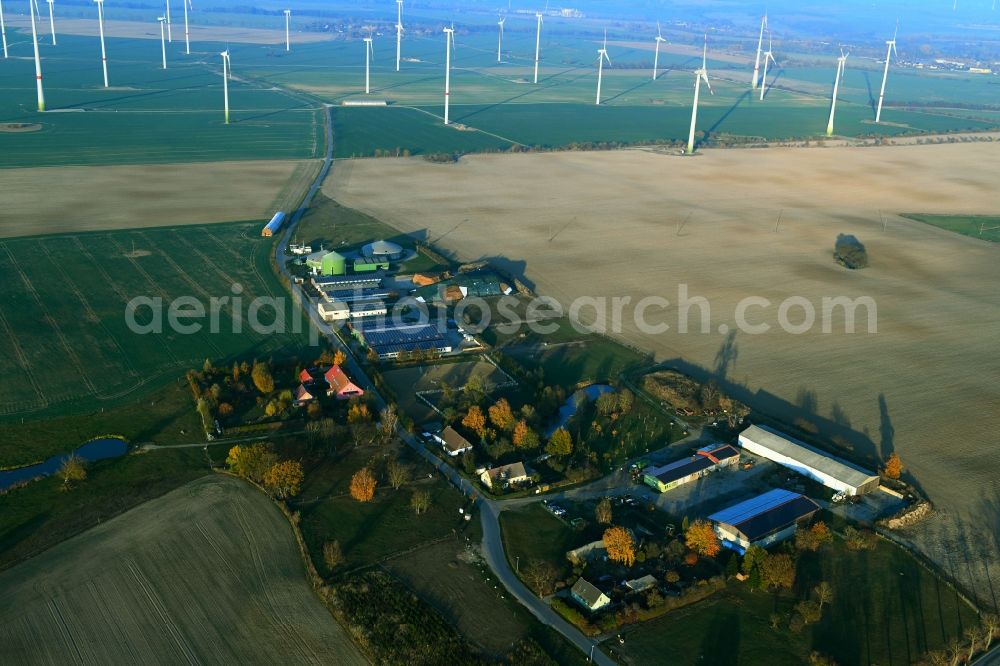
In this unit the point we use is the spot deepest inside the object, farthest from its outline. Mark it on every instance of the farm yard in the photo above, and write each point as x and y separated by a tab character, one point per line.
67	344
558	236
212	564
60	200
406	383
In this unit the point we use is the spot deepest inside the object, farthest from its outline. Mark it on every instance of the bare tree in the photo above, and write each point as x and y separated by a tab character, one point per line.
603	511
990	622
387	423
73	471
421	501
824	594
398	474
540	576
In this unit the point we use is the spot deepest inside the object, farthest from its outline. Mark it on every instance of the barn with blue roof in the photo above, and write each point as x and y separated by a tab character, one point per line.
763	520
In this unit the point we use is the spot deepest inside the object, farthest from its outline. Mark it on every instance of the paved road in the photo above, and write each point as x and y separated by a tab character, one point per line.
489	509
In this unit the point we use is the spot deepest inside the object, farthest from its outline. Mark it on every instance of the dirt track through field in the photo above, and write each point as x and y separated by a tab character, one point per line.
209	573
48	200
640	223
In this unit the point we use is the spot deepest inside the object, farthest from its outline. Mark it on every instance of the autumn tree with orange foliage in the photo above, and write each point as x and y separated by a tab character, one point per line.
363	485
700	537
284	479
524	437
893	466
475	421
620	545
501	415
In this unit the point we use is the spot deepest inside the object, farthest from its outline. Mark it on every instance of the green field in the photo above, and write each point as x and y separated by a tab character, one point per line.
985	227
149	115
887	609
67	345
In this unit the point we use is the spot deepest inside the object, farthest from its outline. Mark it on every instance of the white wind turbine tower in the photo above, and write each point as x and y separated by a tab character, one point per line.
760	43
602	55
449	45
3	31
890	50
187	35
38	63
500	23
538	42
163	44
100	28
369	52
699	74
841	61
227	71
288	34
399	30
768	57
656	57
52	20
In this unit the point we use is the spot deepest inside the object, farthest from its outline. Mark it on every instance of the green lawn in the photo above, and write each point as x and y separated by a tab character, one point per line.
986	227
532	533
887	610
40	515
370	531
67	345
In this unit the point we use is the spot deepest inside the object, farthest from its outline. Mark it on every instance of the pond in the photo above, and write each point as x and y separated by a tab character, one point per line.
96	449
566	412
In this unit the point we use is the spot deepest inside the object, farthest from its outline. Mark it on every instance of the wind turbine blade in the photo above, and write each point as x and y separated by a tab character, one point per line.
658	33
705	77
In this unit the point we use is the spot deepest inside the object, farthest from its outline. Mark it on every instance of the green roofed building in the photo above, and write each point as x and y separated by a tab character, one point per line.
327	263
369	265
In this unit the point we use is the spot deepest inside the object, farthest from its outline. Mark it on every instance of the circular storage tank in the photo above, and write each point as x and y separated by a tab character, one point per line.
334	264
382	249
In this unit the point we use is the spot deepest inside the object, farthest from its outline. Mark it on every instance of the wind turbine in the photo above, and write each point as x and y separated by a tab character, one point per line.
163	44
656	58
369	52
602	55
538	42
38	63
449	45
768	57
170	35
52	21
288	34
760	43
100	28
3	31
500	23
227	71
399	30
841	61
890	50
699	74
187	35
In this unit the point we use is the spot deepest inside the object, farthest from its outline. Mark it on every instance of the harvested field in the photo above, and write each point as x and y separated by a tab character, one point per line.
740	223
74	199
208	573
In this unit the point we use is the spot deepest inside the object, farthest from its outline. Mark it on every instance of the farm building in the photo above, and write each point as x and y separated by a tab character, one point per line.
370	265
763	520
341	386
640	584
384	250
588	596
346	282
453	443
391	340
327	263
368	309
303	395
795	455
482	285
356	294
272	227
333	310
587	551
505	475
704	462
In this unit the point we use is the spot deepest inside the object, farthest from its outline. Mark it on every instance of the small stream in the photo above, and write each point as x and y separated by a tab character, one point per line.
96	449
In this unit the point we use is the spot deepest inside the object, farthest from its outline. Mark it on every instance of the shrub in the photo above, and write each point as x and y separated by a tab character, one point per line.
850	252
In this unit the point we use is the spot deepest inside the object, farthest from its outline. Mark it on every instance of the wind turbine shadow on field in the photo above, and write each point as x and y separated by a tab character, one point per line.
774	82
648	82
530	91
871	94
742	98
